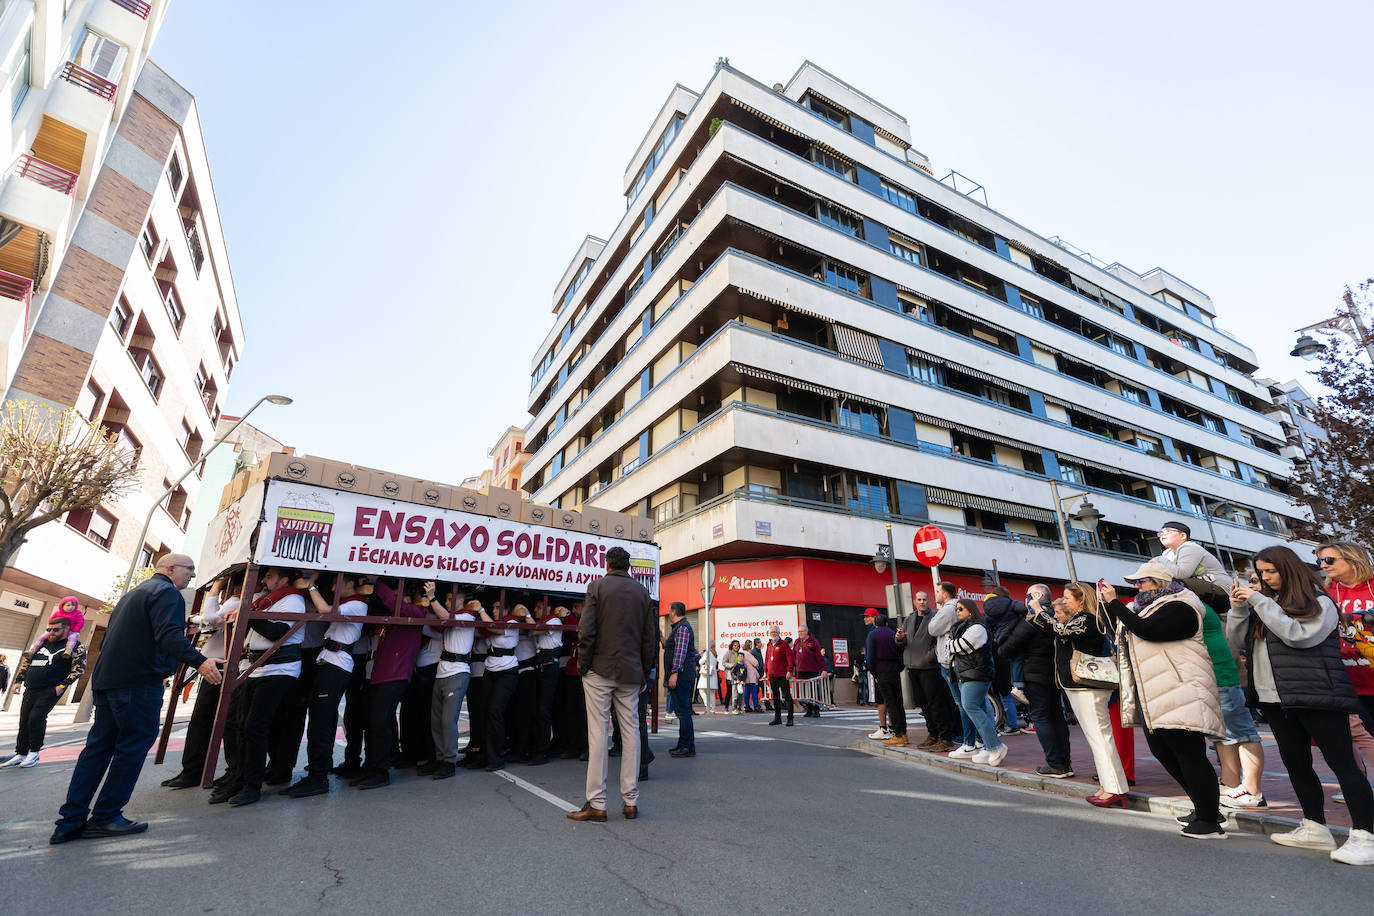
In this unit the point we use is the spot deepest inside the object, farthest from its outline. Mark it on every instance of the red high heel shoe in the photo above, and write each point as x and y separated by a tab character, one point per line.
1107	802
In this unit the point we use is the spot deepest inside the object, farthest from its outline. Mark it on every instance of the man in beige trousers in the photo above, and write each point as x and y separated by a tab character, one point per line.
617	642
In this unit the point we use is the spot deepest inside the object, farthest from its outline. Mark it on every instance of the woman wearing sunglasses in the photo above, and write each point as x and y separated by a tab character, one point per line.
1289	628
1348	572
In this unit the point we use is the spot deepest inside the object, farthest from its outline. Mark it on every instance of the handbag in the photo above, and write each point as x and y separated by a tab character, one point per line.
1096	671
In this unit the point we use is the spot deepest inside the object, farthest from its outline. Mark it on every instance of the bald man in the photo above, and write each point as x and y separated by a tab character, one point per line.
144	642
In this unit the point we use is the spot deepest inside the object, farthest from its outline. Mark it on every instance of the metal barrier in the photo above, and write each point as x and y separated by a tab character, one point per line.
819	690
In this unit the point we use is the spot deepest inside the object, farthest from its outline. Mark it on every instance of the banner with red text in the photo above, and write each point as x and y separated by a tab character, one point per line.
752	623
310	527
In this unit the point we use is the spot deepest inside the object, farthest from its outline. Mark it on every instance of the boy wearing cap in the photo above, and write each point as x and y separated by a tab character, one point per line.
1187	559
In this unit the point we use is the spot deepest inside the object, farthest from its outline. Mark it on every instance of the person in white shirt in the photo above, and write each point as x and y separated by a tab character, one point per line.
333	670
213	621
254	703
525	708
500	678
475	753
451	683
548	645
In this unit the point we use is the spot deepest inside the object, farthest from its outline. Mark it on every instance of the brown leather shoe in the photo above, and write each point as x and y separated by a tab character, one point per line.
588	813
630	811
942	746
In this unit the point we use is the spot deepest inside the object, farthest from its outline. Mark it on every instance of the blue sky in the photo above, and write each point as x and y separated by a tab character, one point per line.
402	184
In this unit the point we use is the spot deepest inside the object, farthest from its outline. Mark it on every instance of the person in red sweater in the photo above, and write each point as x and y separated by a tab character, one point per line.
1348	573
807	662
777	665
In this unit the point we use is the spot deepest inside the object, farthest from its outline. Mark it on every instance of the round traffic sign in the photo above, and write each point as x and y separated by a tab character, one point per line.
929	545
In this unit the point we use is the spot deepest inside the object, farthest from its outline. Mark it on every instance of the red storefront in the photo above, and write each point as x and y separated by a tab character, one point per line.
826	596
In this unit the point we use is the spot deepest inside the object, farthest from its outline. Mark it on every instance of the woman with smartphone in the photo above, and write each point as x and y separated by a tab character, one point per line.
1290	629
1077	627
1348	572
971	658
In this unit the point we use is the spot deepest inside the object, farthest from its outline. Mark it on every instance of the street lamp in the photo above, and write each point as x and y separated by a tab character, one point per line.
1087	515
1210	512
1308	347
1347	322
279	399
886	557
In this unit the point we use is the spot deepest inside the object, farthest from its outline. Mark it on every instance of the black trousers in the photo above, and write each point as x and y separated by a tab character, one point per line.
329	685
381	724
34	707
198	729
477	716
356	696
289	726
1294	731
1051	728
890	690
499	689
256	703
932	696
574	713
417	738
546	684
1184	755
782	694
520	727
645	754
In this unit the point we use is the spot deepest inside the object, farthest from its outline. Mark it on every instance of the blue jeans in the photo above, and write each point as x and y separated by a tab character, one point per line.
682	703
751	696
973	700
1018	667
126	723
970	734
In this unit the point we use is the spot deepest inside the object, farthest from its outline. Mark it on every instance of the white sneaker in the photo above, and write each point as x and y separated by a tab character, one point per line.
1020	695
1309	835
30	760
980	757
997	755
964	752
13	760
1338	798
1358	849
881	734
1239	798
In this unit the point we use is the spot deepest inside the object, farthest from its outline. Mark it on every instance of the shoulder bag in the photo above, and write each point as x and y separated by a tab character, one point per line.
1095	671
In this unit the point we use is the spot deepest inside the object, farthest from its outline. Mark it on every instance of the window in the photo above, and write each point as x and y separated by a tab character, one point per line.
996	395
832	163
863	417
924	370
1131	393
838	218
899	196
175	312
216	326
1166	496
1032	306
661	150
100	55
1122	346
96	524
18	88
185	438
174	174
147	241
89	402
127	443
121	318
1071	473
146	555
868	494
827	111
1214	424
201	379
906	253
843	278
148	370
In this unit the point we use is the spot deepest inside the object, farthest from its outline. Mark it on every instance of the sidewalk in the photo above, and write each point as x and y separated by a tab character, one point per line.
1154	790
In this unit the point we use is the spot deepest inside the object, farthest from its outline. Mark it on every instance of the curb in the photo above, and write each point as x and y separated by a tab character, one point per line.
1246	821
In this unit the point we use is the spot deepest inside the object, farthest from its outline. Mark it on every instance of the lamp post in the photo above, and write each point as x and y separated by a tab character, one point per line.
1348	323
1209	512
147	522
881	562
1087	515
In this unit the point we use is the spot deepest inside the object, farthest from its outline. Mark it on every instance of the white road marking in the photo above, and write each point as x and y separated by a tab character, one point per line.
535	790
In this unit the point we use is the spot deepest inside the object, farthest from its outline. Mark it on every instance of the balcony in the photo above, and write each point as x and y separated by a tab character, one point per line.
15	292
96	85
37	196
46	174
137	7
193	243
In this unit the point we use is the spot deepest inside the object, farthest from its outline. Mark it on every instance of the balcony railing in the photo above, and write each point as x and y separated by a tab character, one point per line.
137	7
193	242
18	289
45	173
91	82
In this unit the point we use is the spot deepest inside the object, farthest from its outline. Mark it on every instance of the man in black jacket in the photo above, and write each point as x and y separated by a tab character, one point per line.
1002	612
143	643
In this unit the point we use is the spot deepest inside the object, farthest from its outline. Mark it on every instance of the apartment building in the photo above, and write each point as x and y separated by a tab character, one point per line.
508	458
128	310
798	334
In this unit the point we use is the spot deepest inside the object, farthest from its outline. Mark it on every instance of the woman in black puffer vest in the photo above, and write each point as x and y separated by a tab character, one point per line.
971	658
1290	635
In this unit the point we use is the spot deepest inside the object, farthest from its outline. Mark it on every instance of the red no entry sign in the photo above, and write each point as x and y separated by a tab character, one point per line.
929	545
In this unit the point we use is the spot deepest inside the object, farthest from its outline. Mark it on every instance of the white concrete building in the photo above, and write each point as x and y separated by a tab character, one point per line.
797	333
110	231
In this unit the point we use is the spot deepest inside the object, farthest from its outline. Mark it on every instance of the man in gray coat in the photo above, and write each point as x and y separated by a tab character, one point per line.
617	642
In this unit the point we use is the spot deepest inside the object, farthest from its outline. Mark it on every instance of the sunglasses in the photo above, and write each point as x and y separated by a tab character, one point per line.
55	629
1327	561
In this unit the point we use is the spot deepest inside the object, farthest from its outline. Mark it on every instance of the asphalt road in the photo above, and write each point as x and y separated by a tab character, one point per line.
763	820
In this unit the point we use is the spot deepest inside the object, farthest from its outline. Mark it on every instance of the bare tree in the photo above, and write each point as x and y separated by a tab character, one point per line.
52	462
1337	480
